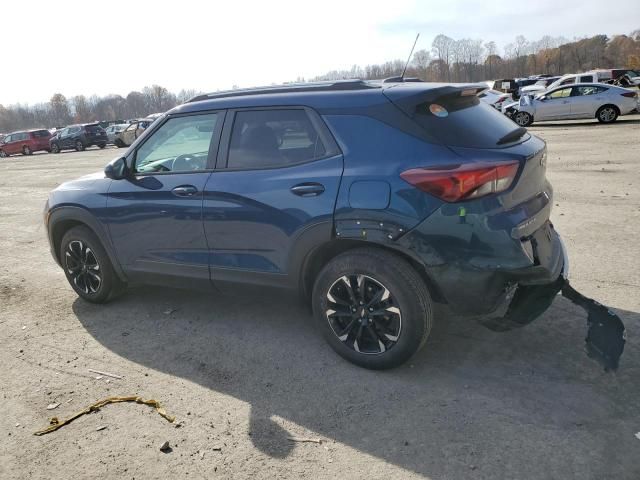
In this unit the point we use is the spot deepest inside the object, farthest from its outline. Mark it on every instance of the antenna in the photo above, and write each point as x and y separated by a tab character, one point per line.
409	59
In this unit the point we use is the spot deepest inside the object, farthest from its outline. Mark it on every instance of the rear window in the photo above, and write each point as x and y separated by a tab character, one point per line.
468	122
41	133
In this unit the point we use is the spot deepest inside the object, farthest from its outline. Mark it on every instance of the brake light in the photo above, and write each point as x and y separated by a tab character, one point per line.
462	182
629	94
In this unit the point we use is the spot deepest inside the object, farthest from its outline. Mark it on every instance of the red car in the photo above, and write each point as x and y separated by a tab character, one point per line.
25	142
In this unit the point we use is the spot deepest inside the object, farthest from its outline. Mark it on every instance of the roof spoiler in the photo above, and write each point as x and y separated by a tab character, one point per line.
407	100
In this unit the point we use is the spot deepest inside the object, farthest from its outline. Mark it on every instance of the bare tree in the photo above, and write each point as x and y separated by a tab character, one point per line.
60	109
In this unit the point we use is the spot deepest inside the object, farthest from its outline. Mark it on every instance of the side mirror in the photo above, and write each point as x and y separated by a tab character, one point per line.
117	169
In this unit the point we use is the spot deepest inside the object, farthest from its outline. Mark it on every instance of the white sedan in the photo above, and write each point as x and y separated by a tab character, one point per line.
580	100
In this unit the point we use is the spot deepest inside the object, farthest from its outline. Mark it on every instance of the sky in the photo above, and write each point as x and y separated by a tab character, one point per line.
80	47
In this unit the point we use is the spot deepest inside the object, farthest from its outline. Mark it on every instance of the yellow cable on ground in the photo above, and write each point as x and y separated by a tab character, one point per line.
56	424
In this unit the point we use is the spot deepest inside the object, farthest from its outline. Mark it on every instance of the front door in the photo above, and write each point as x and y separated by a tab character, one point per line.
555	106
155	216
272	197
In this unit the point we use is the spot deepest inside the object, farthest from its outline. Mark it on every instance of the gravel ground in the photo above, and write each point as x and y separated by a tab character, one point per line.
243	377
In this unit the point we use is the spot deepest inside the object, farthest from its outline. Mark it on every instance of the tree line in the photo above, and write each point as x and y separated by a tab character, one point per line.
471	60
448	60
61	111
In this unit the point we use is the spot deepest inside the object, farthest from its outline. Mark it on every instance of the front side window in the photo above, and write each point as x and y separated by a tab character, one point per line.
181	144
562	93
8	139
272	138
568	81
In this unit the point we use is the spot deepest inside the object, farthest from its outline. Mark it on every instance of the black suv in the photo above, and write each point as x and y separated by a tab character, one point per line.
79	137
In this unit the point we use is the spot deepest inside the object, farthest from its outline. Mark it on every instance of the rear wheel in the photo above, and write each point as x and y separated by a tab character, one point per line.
55	148
523	119
79	145
607	114
102	145
87	266
26	150
372	307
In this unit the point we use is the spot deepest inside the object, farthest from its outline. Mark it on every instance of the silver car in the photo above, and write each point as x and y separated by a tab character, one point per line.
113	130
580	100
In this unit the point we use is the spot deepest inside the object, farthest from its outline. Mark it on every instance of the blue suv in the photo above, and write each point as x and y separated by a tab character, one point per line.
372	199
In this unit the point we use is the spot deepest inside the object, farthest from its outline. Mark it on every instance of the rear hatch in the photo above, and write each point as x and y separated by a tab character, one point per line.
95	131
488	148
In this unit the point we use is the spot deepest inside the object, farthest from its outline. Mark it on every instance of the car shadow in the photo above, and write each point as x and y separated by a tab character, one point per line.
506	404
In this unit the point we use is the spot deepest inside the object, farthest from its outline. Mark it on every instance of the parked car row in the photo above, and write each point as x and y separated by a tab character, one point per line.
74	137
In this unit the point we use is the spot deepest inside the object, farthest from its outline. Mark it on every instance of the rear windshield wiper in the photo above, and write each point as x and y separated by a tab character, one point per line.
512	136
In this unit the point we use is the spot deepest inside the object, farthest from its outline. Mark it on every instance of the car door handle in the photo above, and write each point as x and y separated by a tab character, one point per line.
185	191
310	189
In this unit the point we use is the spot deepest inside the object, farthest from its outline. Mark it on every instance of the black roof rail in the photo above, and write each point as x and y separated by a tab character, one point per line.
401	80
355	84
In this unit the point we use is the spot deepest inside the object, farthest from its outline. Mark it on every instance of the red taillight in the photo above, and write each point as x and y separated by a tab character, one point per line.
462	182
629	94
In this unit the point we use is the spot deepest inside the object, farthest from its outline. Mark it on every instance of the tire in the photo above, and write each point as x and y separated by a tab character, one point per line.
55	148
3	154
523	119
80	250
26	150
102	145
79	146
119	143
402	321
607	114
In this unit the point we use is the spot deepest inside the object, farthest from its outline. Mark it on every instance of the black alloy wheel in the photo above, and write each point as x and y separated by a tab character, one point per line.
83	267
363	314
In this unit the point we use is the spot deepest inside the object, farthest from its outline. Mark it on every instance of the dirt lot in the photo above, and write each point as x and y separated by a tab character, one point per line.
243	376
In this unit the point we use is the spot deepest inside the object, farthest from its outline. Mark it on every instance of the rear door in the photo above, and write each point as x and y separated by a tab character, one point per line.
272	196
585	100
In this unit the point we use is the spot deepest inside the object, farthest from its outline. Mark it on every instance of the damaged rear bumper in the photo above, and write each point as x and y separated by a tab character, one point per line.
606	335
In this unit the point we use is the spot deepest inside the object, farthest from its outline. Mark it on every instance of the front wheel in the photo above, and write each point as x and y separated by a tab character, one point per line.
607	114
523	119
79	146
87	266
26	150
102	145
372	307
3	154
55	148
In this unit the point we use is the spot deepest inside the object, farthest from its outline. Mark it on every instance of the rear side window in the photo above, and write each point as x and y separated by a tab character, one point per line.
272	138
586	79
41	133
588	90
92	128
465	122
